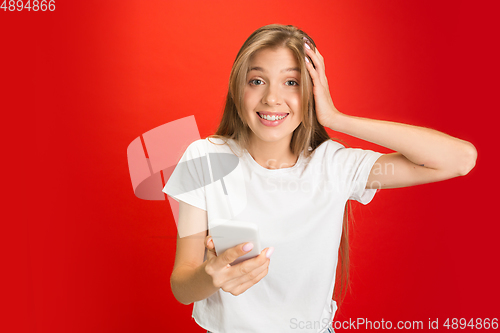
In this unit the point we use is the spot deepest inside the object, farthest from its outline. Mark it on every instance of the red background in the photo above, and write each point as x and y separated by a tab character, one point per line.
82	254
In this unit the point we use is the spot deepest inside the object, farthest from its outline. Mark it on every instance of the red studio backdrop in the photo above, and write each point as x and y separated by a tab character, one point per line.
82	253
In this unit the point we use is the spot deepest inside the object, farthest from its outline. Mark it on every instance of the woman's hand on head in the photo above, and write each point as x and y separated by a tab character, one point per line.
325	110
238	278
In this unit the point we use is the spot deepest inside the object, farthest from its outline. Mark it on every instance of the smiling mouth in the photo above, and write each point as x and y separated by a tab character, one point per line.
272	117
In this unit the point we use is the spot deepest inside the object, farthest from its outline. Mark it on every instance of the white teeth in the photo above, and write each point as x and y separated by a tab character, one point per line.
271	118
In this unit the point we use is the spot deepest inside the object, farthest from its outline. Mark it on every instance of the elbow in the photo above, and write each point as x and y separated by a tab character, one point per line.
469	159
185	302
174	287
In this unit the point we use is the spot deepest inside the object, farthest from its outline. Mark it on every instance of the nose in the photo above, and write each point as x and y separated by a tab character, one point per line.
272	96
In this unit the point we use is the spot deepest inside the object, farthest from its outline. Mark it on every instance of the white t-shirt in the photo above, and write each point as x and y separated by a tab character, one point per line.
298	210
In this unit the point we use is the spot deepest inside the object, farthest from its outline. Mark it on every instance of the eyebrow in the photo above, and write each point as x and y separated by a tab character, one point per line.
260	69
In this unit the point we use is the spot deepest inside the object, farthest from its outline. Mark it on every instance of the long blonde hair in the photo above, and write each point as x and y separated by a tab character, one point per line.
305	138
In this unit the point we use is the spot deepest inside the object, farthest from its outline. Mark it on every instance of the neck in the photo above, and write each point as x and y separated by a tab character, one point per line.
272	155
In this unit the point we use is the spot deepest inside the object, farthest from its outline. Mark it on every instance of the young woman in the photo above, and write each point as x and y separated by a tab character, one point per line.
294	182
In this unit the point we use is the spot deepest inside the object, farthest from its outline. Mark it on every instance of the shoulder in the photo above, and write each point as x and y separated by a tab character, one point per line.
206	144
333	145
192	150
223	145
216	140
327	148
197	145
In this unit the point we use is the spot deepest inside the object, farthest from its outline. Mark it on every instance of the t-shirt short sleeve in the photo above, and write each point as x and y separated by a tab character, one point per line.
191	174
355	165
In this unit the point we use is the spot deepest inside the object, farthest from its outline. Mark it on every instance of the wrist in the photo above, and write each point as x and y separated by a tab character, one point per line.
337	121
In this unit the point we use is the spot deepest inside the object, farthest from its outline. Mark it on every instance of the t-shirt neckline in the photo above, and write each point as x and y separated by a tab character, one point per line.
259	168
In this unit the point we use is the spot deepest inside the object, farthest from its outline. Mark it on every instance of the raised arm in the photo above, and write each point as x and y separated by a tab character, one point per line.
422	155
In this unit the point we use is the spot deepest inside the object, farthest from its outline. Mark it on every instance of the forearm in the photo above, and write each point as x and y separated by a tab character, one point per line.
191	284
422	146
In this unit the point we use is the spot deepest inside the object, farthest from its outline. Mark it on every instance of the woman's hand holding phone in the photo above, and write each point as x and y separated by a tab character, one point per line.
238	278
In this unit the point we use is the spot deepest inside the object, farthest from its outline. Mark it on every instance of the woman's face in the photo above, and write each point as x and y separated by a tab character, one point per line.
273	90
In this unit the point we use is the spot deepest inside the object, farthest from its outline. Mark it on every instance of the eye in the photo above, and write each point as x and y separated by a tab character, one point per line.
256	82
292	83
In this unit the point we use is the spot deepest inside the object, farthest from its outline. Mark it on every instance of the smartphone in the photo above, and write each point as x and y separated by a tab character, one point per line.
229	233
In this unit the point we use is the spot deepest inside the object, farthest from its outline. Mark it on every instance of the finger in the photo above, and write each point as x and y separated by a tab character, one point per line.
320	56
308	46
237	286
313	73
253	275
243	283
232	254
317	61
247	266
209	244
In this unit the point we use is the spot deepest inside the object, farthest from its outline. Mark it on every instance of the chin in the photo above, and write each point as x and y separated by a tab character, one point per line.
272	138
